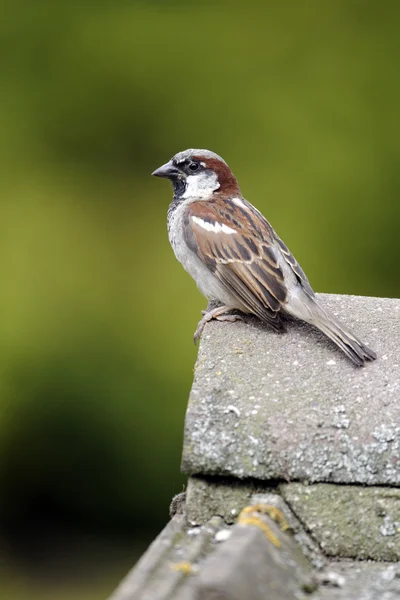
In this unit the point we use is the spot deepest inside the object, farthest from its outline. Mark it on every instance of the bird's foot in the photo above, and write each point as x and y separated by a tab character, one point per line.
249	516
220	314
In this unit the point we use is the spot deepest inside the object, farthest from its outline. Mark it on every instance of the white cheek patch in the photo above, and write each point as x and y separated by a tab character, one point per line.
239	203
200	186
213	227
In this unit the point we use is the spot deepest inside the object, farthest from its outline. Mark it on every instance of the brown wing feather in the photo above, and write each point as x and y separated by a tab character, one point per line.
296	268
236	244
238	287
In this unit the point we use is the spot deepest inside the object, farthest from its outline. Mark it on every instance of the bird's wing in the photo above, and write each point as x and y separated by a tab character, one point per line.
236	243
294	265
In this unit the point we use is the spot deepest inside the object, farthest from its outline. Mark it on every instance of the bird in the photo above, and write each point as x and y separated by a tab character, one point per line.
235	256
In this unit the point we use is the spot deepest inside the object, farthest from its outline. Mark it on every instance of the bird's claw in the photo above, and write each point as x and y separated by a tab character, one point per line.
219	314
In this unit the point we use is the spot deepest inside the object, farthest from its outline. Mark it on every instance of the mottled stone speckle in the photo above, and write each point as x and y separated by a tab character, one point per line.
292	406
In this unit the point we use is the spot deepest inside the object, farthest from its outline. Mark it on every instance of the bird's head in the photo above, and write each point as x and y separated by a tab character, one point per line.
198	174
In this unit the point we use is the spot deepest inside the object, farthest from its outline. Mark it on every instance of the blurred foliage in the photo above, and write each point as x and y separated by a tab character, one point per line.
301	98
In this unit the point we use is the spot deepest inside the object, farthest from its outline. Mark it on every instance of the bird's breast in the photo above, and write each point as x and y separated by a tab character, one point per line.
208	284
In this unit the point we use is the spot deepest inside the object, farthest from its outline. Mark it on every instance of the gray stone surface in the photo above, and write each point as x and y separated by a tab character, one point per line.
216	561
286	420
306	543
292	407
248	566
352	580
206	497
169	562
349	521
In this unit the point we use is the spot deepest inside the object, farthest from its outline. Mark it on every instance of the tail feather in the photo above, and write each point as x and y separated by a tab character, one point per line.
351	346
354	348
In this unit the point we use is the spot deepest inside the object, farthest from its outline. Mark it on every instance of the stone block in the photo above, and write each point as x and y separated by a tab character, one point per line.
292	406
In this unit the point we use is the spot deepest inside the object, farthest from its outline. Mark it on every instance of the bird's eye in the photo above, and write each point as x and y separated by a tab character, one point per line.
193	166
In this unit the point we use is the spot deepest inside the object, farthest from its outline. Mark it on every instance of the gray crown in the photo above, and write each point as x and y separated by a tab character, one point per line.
188	154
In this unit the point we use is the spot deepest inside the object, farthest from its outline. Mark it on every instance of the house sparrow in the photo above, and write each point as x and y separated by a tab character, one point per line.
235	256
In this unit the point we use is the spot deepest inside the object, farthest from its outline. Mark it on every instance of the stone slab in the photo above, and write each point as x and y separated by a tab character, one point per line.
292	406
349	521
231	562
168	564
222	562
249	566
352	580
206	497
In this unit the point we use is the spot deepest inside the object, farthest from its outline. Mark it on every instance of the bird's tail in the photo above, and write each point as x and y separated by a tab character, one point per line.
354	348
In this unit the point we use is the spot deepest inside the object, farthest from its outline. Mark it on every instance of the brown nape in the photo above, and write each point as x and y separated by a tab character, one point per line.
227	181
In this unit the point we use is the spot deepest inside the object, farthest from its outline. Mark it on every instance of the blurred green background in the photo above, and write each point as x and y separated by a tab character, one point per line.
301	98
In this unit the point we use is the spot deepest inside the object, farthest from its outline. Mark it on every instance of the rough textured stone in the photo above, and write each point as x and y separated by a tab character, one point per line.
349	521
169	562
249	566
220	562
306	543
274	411
206	497
352	580
292	406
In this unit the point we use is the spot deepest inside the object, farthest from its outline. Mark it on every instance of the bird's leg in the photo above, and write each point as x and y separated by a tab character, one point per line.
219	314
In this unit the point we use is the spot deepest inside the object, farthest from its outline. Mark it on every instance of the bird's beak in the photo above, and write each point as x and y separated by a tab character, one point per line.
168	171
